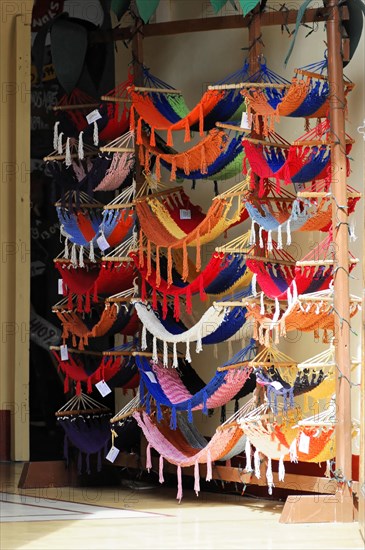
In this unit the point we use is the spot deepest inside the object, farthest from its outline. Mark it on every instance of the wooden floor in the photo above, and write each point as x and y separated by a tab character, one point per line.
209	522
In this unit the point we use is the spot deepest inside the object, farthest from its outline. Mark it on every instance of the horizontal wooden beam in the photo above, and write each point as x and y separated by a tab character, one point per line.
168	28
292	482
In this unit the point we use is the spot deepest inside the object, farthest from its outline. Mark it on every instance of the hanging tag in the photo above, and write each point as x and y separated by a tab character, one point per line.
246	121
185	214
64	352
112	454
93	116
103	388
304	441
276	385
152	377
102	243
60	286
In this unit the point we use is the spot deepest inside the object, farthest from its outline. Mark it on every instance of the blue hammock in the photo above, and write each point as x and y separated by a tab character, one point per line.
150	387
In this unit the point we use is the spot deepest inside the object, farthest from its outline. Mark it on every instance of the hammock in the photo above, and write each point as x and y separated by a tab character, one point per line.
173	447
80	225
86	426
217	278
163	108
158	227
307	159
122	164
307	313
167	388
311	211
118	217
89	369
194	161
72	110
280	277
214	157
216	325
114	111
94	280
113	320
307	96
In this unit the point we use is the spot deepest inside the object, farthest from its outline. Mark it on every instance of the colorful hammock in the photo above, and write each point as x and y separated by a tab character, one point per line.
307	159
166	387
280	277
159	228
86	426
218	277
80	225
72	110
216	325
307	96
113	320
163	108
309	211
193	161
214	157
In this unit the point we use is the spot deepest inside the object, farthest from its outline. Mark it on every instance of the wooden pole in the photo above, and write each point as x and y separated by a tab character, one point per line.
341	277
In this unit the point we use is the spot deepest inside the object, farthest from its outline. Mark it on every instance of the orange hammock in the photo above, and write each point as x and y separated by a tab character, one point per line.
198	157
306	317
214	224
73	326
147	111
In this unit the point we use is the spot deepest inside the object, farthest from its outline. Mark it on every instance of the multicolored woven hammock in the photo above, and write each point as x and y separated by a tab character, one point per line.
86	426
306	96
193	161
159	228
307	159
166	387
282	278
222	272
163	108
113	320
309	211
216	325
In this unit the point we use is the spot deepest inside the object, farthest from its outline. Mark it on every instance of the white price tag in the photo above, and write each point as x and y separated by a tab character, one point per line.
103	388
152	377
60	286
185	214
112	454
276	385
93	116
246	121
64	352
304	443
102	243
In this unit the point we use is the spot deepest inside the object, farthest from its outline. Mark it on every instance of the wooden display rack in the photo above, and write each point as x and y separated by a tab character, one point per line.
318	507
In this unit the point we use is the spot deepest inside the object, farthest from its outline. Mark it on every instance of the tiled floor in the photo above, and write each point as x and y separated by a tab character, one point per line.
123	518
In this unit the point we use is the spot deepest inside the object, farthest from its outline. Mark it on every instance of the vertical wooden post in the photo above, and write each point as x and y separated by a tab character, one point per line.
340	241
137	52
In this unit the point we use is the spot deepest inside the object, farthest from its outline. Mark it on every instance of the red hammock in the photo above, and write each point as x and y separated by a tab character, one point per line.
107	278
126	220
210	272
77	116
147	112
74	370
278	280
117	112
